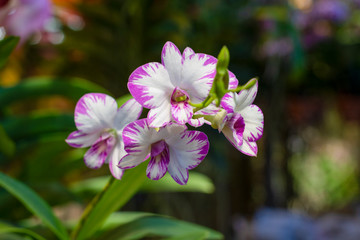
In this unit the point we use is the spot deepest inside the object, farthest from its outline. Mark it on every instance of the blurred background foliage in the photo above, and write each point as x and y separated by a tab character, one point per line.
305	52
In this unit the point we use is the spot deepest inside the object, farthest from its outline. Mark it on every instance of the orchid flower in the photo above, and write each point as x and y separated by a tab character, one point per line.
100	124
172	149
167	88
244	122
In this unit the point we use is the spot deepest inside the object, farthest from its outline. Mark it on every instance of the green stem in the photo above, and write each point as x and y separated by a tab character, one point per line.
89	208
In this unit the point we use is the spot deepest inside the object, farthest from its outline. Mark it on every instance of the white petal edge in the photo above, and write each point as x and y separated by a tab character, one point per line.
254	123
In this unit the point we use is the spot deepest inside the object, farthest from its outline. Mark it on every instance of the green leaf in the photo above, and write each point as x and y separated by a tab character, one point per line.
7	146
115	195
7	45
161	226
34	203
6	228
73	88
38	124
198	182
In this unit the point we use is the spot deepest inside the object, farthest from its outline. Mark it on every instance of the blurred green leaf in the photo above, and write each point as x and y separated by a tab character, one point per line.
116	195
34	203
198	182
6	228
73	88
161	226
7	45
38	124
7	146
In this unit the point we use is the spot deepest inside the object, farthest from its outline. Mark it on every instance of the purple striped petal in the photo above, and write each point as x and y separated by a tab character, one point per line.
187	52
150	85
160	116
254	123
114	158
249	148
197	122
95	112
228	102
233	82
197	76
131	161
186	152
97	154
172	60
238	126
181	112
138	137
127	113
158	164
79	139
245	97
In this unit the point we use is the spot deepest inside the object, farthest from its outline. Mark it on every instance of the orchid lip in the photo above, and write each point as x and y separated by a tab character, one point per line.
179	95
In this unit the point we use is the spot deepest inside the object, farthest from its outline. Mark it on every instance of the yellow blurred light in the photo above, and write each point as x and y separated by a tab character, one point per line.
9	77
303	5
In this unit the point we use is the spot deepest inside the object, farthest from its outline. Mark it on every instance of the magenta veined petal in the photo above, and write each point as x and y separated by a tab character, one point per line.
187	52
127	113
238	126
197	76
97	154
186	152
158	164
160	116
131	161
181	112
233	82
249	148
150	85
114	158
95	112
228	102
171	58
245	97
254	123
79	139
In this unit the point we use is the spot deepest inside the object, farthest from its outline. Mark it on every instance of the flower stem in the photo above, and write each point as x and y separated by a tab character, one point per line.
89	208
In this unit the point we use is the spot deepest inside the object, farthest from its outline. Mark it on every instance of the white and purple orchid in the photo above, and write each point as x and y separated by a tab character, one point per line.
100	124
172	149
167	88
244	123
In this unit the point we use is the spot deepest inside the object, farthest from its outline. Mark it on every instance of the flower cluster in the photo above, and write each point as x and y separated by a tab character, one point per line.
185	88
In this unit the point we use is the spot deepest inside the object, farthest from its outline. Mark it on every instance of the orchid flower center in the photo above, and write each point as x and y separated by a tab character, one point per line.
158	147
179	95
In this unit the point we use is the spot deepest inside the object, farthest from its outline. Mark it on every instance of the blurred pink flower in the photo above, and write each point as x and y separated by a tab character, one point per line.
24	17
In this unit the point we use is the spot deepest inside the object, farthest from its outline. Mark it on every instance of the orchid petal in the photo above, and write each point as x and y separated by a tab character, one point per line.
197	76
114	158
186	152
158	164
79	139
254	123
97	154
228	102
238	126
233	82
130	161
245	97
187	52
150	84
95	112
197	122
160	116
172	60
181	112
127	113
138	137
249	148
